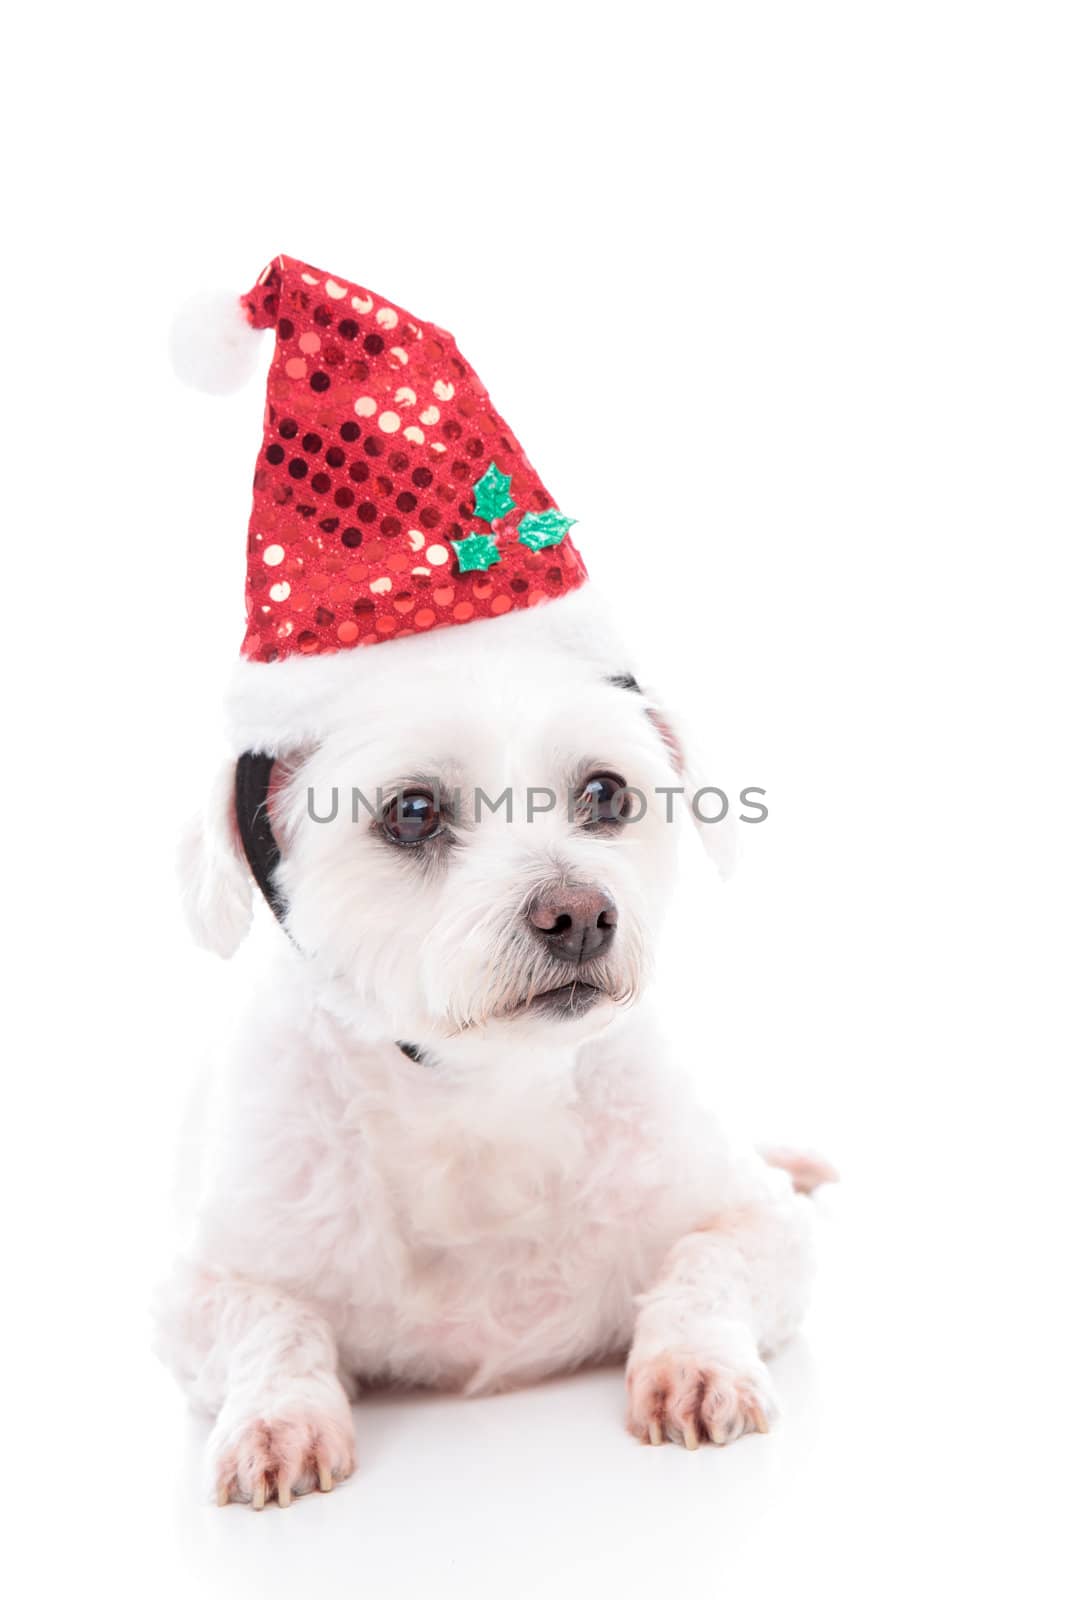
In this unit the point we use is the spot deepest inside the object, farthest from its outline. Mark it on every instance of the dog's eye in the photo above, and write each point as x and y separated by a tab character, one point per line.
603	799
412	817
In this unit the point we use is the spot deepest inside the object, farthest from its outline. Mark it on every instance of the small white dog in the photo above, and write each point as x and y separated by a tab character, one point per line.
452	1148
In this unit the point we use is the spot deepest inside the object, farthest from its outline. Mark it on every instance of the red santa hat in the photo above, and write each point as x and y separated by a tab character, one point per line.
390	498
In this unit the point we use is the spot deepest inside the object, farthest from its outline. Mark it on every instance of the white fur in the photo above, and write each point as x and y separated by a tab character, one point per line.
537	1193
215	884
213	346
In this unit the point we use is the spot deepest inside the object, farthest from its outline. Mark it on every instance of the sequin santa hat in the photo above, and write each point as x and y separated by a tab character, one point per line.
390	498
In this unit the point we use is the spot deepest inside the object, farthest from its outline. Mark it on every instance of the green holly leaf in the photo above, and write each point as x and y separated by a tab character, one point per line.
476	553
539	529
492	494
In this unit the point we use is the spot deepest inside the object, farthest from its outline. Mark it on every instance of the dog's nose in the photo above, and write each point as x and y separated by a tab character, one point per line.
576	924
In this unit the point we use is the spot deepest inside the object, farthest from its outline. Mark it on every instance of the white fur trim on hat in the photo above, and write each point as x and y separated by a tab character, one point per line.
282	705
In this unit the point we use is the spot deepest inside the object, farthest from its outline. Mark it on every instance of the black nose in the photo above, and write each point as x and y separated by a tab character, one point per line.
576	924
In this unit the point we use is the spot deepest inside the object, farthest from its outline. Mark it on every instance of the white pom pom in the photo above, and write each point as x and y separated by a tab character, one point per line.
212	344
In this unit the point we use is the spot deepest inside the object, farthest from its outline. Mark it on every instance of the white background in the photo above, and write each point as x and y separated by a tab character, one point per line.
820	248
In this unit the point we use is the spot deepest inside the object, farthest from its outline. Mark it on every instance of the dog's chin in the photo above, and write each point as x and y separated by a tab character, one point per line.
563	1014
567	1001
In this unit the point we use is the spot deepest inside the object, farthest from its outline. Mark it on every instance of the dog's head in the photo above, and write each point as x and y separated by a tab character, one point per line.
481	847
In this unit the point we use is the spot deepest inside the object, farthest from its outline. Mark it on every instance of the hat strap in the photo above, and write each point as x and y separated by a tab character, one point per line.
253	822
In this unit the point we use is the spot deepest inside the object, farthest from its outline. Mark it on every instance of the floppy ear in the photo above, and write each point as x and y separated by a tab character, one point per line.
717	828
215	881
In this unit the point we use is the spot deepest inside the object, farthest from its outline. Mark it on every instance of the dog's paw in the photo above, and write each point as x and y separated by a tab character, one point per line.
691	1397
292	1450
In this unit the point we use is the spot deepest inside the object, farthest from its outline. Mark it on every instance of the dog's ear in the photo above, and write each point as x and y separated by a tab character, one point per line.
216	884
709	806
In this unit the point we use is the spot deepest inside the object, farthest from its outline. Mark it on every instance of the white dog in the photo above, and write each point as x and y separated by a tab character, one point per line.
452	1148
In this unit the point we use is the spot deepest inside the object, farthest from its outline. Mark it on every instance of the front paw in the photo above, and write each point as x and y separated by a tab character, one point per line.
289	1449
692	1396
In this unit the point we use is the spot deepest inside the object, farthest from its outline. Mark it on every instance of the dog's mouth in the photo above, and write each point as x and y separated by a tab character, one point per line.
568	1000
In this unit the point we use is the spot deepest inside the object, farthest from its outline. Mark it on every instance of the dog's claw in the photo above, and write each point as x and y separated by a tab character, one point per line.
279	1458
694	1399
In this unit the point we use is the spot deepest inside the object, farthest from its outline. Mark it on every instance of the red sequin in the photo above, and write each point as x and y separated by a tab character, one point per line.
374	423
